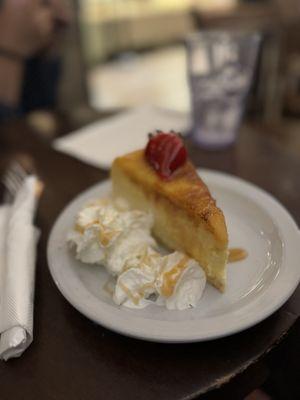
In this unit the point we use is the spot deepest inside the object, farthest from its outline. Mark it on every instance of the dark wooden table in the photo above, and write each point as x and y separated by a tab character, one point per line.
72	358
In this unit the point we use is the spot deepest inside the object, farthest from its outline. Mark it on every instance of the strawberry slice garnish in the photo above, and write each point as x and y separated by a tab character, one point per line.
165	152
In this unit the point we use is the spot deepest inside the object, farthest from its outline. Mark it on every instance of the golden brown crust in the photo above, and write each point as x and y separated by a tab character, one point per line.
185	190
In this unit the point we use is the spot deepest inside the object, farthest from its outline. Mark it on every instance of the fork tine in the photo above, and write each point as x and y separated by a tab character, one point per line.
17	172
14	177
10	186
12	180
20	171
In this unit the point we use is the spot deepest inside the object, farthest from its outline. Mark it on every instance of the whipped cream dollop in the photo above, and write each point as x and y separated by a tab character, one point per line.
107	232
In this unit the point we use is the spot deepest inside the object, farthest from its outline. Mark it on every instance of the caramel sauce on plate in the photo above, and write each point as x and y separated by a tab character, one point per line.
237	254
108	287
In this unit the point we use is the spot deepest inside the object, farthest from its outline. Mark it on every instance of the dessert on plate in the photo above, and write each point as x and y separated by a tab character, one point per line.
161	180
156	190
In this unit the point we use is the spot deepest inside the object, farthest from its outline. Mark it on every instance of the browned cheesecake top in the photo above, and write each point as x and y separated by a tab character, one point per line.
185	190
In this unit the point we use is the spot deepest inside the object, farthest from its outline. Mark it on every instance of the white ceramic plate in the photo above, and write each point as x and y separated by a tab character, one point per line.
256	287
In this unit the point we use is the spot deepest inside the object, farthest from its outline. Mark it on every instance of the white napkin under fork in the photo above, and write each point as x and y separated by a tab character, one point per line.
18	241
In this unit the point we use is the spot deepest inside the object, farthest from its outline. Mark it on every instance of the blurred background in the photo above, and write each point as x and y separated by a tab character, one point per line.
124	53
85	59
133	51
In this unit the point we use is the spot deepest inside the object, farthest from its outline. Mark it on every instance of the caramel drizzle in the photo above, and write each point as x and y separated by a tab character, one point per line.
237	254
104	236
171	277
81	229
145	258
144	288
134	298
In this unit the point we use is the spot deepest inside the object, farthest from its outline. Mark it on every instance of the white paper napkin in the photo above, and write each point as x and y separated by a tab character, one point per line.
100	143
18	240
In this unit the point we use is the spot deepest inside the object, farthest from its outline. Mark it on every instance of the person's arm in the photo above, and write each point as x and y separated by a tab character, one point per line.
11	73
25	27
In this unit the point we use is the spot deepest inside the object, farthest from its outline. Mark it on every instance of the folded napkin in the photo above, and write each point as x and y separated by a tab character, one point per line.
18	240
99	143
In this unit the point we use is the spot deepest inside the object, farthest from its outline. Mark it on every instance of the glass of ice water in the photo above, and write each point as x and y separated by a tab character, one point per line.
220	71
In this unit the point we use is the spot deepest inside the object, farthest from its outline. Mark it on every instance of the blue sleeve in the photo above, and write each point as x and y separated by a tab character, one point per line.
7	112
39	87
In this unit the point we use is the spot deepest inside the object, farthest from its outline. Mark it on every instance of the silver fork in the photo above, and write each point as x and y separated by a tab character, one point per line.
12	180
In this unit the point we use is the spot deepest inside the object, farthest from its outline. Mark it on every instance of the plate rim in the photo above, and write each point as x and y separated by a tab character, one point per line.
290	237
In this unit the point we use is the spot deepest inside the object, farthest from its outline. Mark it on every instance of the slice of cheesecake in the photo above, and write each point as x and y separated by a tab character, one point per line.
186	217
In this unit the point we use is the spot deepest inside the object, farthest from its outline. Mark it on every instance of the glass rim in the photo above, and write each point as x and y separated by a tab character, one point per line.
234	33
